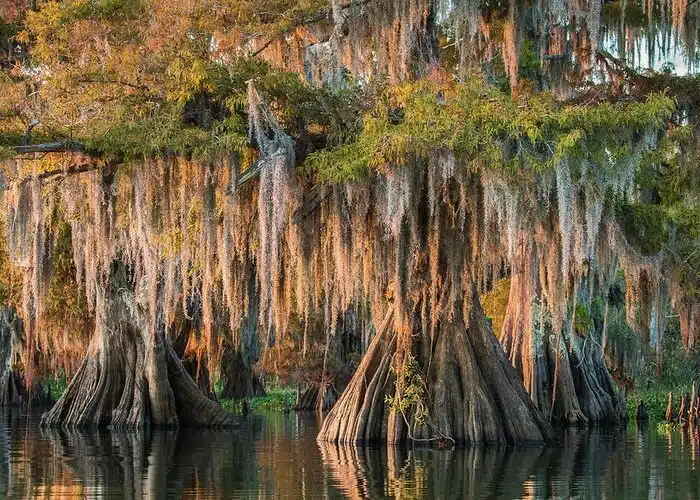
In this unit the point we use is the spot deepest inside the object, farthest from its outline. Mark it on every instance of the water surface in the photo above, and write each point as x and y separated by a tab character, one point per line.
276	456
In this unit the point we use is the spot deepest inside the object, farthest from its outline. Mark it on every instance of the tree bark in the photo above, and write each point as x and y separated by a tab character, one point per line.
472	393
9	323
196	366
239	379
131	376
13	390
690	323
316	398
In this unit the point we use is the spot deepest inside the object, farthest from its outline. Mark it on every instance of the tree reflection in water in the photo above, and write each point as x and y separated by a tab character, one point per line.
595	463
276	456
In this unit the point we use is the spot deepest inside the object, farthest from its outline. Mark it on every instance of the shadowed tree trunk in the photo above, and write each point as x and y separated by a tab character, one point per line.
473	394
564	374
131	375
341	349
13	390
314	398
9	332
689	313
237	374
239	379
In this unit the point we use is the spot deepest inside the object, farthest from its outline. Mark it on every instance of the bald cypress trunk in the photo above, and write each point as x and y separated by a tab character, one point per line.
9	323
237	373
472	394
238	377
316	398
13	388
131	376
564	374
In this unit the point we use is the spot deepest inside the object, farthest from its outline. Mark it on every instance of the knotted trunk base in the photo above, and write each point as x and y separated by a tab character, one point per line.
566	378
132	377
471	392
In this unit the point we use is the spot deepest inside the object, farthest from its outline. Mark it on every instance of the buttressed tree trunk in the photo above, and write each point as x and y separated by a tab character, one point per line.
9	332
316	398
472	394
434	369
13	389
564	374
131	375
196	363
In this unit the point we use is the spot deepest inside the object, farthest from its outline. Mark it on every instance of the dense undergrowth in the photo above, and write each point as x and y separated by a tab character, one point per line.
276	399
680	369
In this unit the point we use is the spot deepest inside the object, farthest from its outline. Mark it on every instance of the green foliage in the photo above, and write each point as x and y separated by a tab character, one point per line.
680	369
109	10
529	65
276	399
57	386
656	401
583	321
164	133
495	304
645	225
486	128
410	395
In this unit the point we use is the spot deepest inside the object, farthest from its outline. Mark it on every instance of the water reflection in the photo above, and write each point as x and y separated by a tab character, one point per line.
276	456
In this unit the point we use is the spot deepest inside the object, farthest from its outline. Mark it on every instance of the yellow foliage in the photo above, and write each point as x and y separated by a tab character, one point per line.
495	304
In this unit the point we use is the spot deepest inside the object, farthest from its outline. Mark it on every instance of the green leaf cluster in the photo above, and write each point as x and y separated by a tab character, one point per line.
487	129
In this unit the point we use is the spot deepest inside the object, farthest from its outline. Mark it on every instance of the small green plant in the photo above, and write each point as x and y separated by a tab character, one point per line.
410	398
410	392
57	386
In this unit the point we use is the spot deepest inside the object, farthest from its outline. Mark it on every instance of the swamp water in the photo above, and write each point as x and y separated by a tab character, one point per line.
275	455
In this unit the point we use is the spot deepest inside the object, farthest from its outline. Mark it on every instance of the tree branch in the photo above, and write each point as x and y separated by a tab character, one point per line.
311	202
325	14
75	169
251	173
51	147
104	81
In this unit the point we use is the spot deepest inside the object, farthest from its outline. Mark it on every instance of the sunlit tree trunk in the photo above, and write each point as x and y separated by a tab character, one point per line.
473	395
131	375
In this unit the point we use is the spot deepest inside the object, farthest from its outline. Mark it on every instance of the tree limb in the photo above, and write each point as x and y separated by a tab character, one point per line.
51	147
250	173
75	169
325	14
